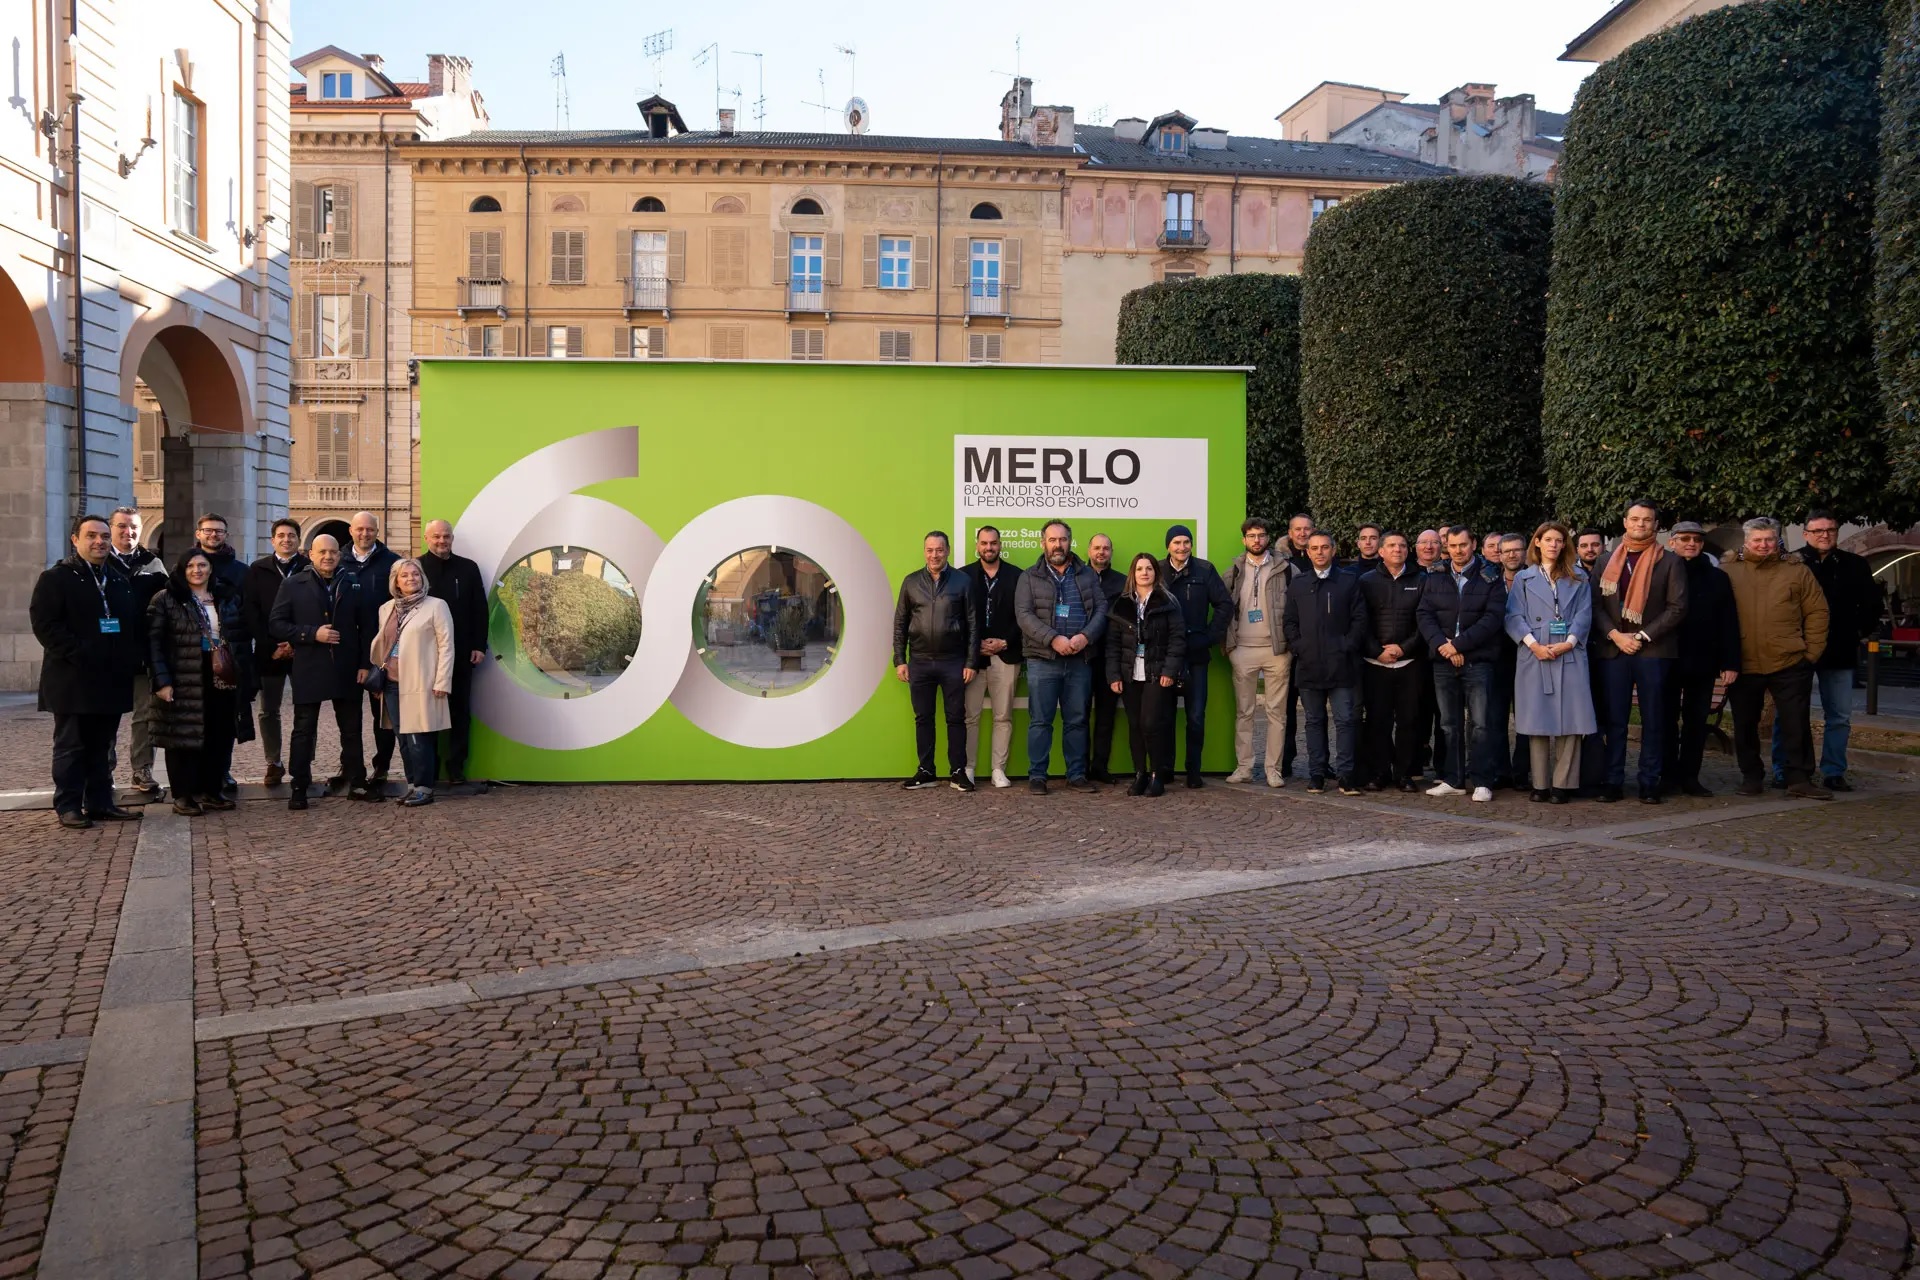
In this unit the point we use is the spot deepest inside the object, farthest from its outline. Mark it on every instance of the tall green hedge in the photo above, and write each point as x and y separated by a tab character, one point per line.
1710	342
1422	328
1249	319
1897	241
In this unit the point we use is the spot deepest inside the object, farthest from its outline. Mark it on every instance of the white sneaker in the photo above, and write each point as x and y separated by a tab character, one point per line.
970	777
1242	774
1445	788
1000	778
1483	794
1276	780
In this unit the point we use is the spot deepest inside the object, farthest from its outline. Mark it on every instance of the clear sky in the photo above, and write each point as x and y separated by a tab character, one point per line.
1232	65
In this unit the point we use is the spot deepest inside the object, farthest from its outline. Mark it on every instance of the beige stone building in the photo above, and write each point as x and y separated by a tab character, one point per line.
1631	20
144	160
1470	130
352	410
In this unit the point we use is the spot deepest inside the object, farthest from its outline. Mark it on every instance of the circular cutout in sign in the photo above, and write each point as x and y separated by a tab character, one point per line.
564	622
767	621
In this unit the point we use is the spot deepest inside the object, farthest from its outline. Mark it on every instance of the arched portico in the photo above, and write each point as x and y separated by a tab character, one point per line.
190	367
28	350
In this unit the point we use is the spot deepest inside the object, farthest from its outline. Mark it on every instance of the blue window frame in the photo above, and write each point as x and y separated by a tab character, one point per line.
985	275
896	262
807	264
336	84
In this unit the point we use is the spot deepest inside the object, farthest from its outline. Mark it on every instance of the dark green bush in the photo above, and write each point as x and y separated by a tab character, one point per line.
1710	341
1421	334
1897	241
1251	319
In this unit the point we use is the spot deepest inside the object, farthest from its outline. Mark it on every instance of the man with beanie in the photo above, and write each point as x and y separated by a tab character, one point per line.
1256	648
1208	607
1709	651
1638	606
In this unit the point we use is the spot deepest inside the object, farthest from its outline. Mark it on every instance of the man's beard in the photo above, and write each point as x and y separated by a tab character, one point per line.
1057	558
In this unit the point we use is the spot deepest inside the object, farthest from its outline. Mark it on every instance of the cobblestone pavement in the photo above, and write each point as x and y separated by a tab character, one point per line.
1878	840
62	893
36	1106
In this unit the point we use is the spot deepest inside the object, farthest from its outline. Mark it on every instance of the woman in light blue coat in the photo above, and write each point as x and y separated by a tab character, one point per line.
1549	615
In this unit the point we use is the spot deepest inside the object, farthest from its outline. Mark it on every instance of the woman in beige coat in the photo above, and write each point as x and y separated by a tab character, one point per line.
414	650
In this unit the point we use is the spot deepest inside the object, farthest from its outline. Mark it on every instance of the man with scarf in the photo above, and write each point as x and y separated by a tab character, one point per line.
1637	611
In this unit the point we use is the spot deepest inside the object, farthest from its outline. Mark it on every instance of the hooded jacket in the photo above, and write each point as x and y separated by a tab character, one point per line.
1164	634
228	567
177	659
1204	601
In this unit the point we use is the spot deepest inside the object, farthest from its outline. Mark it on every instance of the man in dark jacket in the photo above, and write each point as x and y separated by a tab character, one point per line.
319	611
1853	615
1326	626
90	638
148	578
272	659
1208	609
1589	545
1063	615
1638	606
210	534
1397	679
1462	612
935	637
1106	703
368	561
456	580
993	580
1709	643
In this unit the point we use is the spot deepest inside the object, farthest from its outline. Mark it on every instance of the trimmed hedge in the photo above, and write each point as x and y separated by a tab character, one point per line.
1897	241
1251	319
1710	341
1422	332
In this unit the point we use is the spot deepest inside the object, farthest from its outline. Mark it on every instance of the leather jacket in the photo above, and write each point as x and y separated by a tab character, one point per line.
936	621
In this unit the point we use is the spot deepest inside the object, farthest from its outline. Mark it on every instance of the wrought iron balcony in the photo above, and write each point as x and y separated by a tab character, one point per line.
483	293
986	299
647	295
806	295
1179	234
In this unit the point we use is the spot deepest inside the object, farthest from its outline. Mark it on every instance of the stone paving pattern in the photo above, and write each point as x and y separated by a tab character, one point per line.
36	1107
1877	840
62	894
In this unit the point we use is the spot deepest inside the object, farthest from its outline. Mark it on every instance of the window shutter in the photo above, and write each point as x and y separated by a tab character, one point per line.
304	198
1010	264
483	255
576	341
569	257
922	261
869	262
557	257
537	342
623	254
343	220
727	342
830	259
322	424
657	342
149	444
781	245
962	261
727	256
510	341
362	337
983	348
476	340
677	257
622	341
305	315
797	341
809	344
896	344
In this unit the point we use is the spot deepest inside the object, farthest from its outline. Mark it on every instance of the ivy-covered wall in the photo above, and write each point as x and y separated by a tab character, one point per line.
1897	242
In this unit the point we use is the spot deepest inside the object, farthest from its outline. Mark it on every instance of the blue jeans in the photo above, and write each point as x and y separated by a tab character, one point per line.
1346	725
1619	677
417	758
1064	685
1836	714
1465	696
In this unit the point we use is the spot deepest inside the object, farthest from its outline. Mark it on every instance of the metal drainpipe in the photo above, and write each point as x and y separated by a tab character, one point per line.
526	260
79	267
386	332
1233	222
939	245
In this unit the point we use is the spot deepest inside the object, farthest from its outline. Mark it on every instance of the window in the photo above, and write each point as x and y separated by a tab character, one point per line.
807	206
336	84
727	341
332	445
896	344
646	342
1173	141
983	348
489	340
333	220
484	204
492	340
564	340
569	257
1180	223
727	256
649	204
896	262
985	213
1179	273
649	269
333	326
184	164
767	621
983	278
806	272
809	344
1323	203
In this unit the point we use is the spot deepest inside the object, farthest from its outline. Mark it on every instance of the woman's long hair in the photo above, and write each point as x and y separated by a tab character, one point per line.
1159	588
1563	564
177	581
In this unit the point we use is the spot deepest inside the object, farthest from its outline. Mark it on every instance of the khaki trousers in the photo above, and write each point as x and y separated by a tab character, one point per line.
998	679
1555	761
1249	665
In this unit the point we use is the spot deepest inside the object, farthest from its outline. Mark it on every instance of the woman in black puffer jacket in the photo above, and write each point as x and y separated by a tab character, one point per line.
196	712
1146	658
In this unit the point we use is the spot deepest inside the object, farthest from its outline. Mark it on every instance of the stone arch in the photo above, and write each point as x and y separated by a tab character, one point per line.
28	347
332	525
29	498
188	360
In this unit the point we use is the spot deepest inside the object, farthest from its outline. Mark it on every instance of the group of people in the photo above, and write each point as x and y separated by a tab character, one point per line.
1516	660
189	650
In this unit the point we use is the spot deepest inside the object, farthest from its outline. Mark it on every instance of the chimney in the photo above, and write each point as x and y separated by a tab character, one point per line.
436	75
726	122
1129	129
1015	106
375	61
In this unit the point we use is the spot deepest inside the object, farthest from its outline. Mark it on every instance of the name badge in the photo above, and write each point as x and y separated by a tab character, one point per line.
1139	651
1558	631
1255	615
109	626
1060	609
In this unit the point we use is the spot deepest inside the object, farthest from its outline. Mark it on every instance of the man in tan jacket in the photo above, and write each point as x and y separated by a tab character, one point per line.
1783	631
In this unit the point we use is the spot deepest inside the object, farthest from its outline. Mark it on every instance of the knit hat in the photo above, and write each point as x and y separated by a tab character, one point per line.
1179	531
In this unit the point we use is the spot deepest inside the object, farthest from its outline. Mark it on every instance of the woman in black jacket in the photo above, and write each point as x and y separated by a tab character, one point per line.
1146	656
202	661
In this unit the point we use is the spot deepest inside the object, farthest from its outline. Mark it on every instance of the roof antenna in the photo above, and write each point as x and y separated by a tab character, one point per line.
826	112
712	54
655	46
759	103
561	107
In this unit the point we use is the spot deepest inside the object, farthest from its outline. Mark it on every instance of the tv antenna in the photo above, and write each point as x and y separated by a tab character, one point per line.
759	103
852	57
826	111
711	54
656	46
561	107
1016	60
1098	115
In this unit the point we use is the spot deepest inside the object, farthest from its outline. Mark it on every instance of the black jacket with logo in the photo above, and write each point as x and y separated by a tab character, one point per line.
935	620
993	608
322	672
1393	611
1203	599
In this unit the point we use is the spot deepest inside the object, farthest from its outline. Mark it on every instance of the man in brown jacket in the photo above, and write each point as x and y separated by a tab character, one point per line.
1783	631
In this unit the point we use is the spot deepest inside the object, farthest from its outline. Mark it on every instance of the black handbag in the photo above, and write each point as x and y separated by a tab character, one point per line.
376	681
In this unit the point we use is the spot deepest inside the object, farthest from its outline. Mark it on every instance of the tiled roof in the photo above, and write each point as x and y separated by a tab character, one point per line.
708	138
410	91
1550	124
1273	157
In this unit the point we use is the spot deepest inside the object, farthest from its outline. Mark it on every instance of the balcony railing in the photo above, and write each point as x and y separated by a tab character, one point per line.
806	295
1183	233
483	293
985	300
646	295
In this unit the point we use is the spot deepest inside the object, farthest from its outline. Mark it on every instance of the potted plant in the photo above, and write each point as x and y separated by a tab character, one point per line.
790	637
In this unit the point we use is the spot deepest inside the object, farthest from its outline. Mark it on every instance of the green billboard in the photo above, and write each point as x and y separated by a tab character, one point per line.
692	565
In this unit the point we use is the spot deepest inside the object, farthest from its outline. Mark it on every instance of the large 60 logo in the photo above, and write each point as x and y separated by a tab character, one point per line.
497	533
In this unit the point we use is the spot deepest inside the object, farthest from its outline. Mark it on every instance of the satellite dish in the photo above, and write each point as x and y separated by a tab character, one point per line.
858	117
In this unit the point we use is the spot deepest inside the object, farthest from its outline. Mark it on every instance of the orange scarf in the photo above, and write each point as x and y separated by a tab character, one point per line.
1634	608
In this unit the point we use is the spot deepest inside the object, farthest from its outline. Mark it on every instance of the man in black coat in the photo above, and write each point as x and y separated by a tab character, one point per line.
994	579
210	534
1709	651
1463	615
1326	627
1208	609
272	659
1106	703
319	611
148	578
90	637
368	561
935	637
1853	615
1396	681
456	580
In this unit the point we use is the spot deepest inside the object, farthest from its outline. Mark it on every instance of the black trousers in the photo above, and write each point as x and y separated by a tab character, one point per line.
1194	689
383	737
1593	747
945	676
1689	701
83	762
1432	745
306	724
1289	752
1106	710
1396	730
1149	725
203	772
460	712
1792	692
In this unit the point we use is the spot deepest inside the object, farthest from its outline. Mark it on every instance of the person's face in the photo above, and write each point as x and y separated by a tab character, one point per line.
1393	552
1763	544
365	530
286	541
1822	534
1490	546
1143	575
935	550
199	569
1460	549
1428	547
440	538
1320	551
1179	549
1297	530
1552	543
408	579
986	545
1641	523
1687	545
1256	540
212	535
1513	554
91	541
1367	541
126	531
1058	544
1100	551
325	553
1589	548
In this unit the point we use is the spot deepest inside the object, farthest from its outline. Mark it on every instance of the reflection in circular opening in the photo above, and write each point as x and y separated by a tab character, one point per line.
767	621
564	622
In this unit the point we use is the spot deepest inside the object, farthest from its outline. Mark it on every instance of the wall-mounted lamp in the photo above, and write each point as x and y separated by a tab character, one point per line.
128	162
250	237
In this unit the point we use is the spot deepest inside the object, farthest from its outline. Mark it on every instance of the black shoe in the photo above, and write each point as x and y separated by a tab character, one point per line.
1195	782
229	786
1750	787
114	813
1560	796
1808	791
361	791
417	796
1374	784
1692	787
1779	783
1099	775
1156	787
1837	783
1139	787
1540	795
1085	785
959	780
75	821
921	778
334	783
298	800
1652	797
1038	786
216	804
152	793
1347	787
1316	785
1410	787
186	806
457	777
378	777
1608	794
